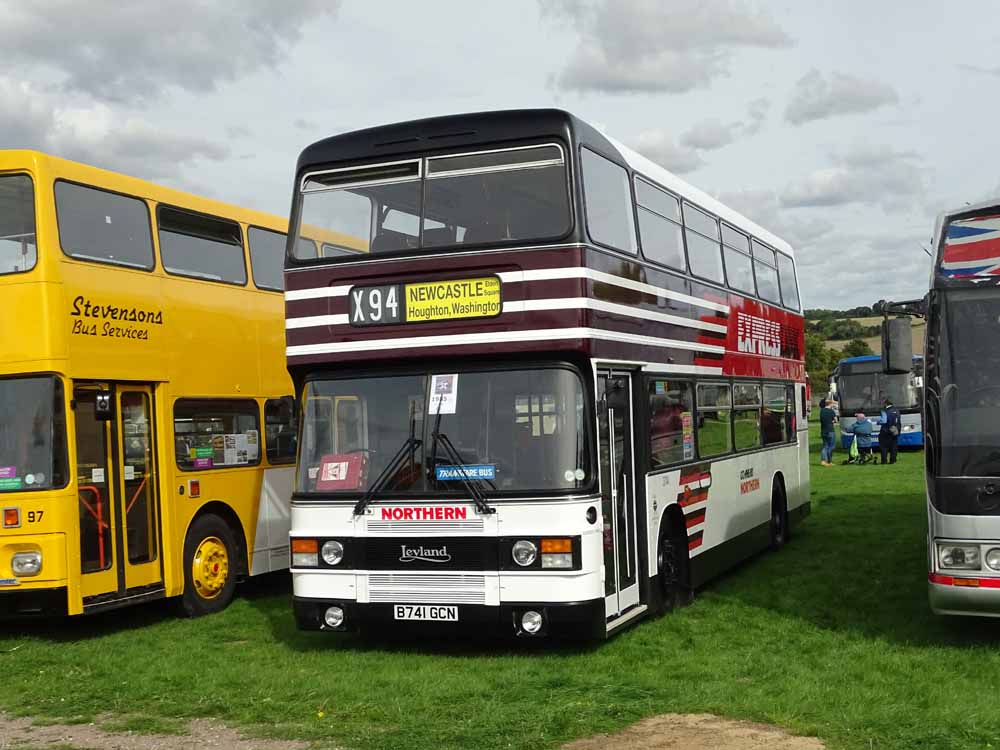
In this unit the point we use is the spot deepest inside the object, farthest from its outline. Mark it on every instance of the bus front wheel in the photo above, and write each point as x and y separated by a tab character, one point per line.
209	566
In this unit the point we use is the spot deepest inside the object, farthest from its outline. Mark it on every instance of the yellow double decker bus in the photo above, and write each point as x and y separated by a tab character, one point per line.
147	435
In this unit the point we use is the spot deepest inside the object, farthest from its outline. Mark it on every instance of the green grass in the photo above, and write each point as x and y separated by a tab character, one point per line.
832	637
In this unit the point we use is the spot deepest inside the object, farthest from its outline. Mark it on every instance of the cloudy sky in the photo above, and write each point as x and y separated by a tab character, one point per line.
843	126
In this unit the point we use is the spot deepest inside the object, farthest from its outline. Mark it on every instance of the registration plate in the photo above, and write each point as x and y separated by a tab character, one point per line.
425	612
9	582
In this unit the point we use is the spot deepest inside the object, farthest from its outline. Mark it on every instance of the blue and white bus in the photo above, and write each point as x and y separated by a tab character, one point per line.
861	385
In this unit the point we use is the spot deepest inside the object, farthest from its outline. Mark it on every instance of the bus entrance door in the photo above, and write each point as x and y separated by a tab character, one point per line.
117	493
621	576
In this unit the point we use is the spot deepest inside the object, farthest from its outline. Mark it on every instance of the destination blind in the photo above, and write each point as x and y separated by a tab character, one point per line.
452	299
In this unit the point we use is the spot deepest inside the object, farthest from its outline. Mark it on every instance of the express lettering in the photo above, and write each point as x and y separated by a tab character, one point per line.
434	513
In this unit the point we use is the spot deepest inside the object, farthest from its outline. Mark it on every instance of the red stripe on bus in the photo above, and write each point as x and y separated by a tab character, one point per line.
981	583
695	518
696	496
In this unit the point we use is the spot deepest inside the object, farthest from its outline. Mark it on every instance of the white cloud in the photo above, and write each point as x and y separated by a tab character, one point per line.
816	97
709	135
121	52
866	174
628	46
96	134
659	146
757	112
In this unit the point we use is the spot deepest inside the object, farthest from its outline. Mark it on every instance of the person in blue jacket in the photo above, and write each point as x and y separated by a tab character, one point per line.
888	436
862	430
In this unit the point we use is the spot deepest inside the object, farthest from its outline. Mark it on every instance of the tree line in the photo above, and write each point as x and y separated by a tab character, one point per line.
824	325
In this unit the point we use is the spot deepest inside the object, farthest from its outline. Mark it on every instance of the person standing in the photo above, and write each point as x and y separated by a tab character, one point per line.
826	433
888	436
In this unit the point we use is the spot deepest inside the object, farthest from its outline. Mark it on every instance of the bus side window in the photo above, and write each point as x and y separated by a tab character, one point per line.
279	429
671	423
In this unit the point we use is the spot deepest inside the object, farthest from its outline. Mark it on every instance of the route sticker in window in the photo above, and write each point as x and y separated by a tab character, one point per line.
444	394
8	472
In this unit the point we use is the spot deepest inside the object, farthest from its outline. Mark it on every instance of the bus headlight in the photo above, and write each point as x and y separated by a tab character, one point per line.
524	553
958	556
334	617
26	563
993	559
333	552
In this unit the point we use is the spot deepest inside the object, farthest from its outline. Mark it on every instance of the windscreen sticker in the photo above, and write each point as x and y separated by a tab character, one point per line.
579	475
203	463
471	471
97	475
661	387
8	472
12	483
312	472
29	479
201	453
129	472
444	394
568	475
242	448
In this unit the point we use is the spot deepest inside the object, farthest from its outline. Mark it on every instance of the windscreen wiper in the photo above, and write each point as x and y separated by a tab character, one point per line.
407	448
477	495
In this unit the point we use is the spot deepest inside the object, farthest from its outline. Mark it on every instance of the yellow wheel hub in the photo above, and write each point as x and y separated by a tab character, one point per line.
210	567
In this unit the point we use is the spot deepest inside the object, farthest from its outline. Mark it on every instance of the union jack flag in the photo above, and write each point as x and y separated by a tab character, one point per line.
972	248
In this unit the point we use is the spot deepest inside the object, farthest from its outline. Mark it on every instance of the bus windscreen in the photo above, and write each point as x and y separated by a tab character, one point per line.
32	434
481	198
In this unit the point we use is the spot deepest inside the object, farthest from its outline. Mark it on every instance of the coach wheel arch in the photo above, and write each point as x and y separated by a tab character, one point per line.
779	512
672	560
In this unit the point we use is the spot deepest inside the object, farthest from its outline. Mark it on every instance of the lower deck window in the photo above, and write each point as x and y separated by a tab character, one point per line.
215	434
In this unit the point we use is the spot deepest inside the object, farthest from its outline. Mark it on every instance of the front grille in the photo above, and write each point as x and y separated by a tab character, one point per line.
424	527
417	589
427	553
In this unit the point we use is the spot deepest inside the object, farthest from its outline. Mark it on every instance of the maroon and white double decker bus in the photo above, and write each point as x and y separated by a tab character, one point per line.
545	386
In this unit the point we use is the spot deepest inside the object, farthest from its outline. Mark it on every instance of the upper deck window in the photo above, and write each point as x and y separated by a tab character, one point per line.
201	246
105	227
766	271
267	254
609	202
18	250
704	252
507	195
739	269
786	277
659	225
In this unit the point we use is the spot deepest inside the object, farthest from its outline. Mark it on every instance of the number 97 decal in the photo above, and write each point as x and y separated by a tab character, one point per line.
34	516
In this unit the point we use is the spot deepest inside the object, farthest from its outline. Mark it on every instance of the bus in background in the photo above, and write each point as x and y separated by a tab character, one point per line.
962	386
147	437
560	390
860	384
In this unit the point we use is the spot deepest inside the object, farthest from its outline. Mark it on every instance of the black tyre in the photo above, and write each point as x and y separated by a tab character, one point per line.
210	566
779	517
673	568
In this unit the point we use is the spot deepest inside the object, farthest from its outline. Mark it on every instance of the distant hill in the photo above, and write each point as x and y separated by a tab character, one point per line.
917	328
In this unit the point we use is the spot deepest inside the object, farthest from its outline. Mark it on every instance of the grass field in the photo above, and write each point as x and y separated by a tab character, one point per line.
831	636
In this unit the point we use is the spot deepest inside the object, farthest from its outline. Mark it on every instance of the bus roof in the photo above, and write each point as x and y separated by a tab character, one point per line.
388	142
868	358
27	158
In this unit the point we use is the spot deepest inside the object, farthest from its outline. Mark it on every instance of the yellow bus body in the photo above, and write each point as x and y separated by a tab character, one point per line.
78	320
